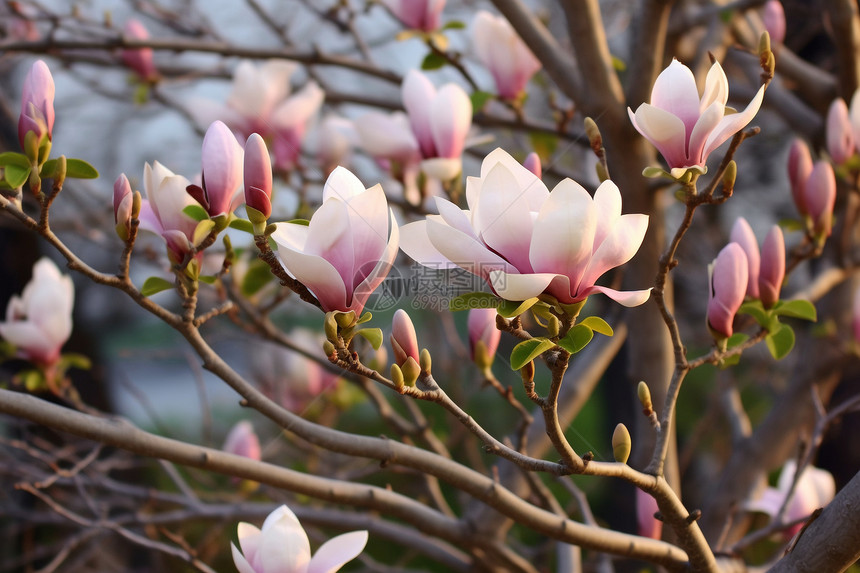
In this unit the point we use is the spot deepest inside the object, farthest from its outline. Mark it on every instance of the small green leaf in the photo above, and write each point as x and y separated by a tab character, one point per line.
598	325
16	176
304	222
153	285
618	64
80	169
734	340
373	336
653	172
792	225
208	279
365	317
510	309
474	300
34	380
780	342
242	225
258	275
797	308
757	311
202	231
576	338
433	61
454	25
479	99
8	158
196	212
528	350
74	360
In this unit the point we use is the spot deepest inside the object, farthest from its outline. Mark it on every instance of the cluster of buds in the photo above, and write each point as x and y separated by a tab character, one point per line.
766	267
813	188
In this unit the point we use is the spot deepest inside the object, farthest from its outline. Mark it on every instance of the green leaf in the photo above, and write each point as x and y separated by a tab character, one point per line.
544	144
474	300
618	64
757	311
365	317
792	225
208	279
510	309
74	360
196	212
80	169
797	308
202	231
242	225
454	25
479	99
33	380
528	350
304	222
8	158
433	61
16	176
576	338
258	275
598	325
153	285
373	336
653	172
734	340
780	342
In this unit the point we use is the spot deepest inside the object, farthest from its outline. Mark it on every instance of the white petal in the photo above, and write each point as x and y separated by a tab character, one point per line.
454	216
536	192
416	244
733	123
503	219
628	298
464	251
241	563
621	244
318	275
607	201
517	287
335	552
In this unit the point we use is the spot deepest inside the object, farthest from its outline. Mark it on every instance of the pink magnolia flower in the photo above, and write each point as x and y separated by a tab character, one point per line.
335	138
139	59
37	103
417	14
282	546
221	191
403	339
820	198
261	102
243	441
728	276
504	53
646	507
799	170
346	250
815	488
39	322
743	235
440	121
484	337
258	175
161	211
123	202
524	240
773	17
685	127
840	137
772	267
388	138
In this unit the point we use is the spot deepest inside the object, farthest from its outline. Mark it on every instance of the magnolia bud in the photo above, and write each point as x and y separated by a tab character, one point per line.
772	267
644	394
37	105
799	169
242	441
425	361
483	336
728	277
773	16
123	206
840	139
397	377
330	326
729	177
743	235
820	198
532	163
621	444
139	59
403	339
258	179
222	159
593	134
411	370
329	349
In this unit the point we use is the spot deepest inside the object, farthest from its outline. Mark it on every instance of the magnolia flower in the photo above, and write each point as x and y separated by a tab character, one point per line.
162	210
346	250
773	17
260	102
404	341
484	337
815	488
524	240
258	175
334	138
139	59
39	322
37	103
685	127
840	137
503	52
417	14
243	441
728	277
282	547
220	193
287	377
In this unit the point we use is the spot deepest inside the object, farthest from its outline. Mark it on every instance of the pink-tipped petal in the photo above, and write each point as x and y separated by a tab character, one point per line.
337	551
743	235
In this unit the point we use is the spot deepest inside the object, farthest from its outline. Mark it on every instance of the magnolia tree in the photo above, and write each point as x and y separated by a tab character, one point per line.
526	197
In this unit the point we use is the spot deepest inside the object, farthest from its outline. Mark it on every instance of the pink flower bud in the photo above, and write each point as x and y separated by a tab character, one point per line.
123	201
729	275
503	52
417	14
37	103
258	175
139	59
799	169
773	16
482	329
840	139
772	267
404	341
222	170
242	441
743	235
532	163
820	197
646	507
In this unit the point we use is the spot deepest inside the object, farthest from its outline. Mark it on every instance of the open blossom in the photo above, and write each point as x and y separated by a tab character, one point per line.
261	102
37	103
417	14
39	322
221	192
346	251
161	210
728	277
524	240
282	546
815	488
139	59
685	127
504	53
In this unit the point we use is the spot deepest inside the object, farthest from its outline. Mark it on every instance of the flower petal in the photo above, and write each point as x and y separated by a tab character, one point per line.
503	219
516	287
415	242
664	130
628	298
451	118
675	92
316	273
239	560
620	245
372	280
465	251
337	551
733	123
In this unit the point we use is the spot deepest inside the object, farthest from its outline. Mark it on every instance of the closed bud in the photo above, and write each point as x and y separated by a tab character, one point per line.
484	336
840	139
140	60
425	361
403	339
532	163
799	170
772	267
528	372
136	204
764	43
37	107
743	235
258	179
644	394
593	134
621	444
773	16
729	176
820	198
329	349
397	377
411	371
552	326
243	441
60	171
728	277
330	326
123	206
